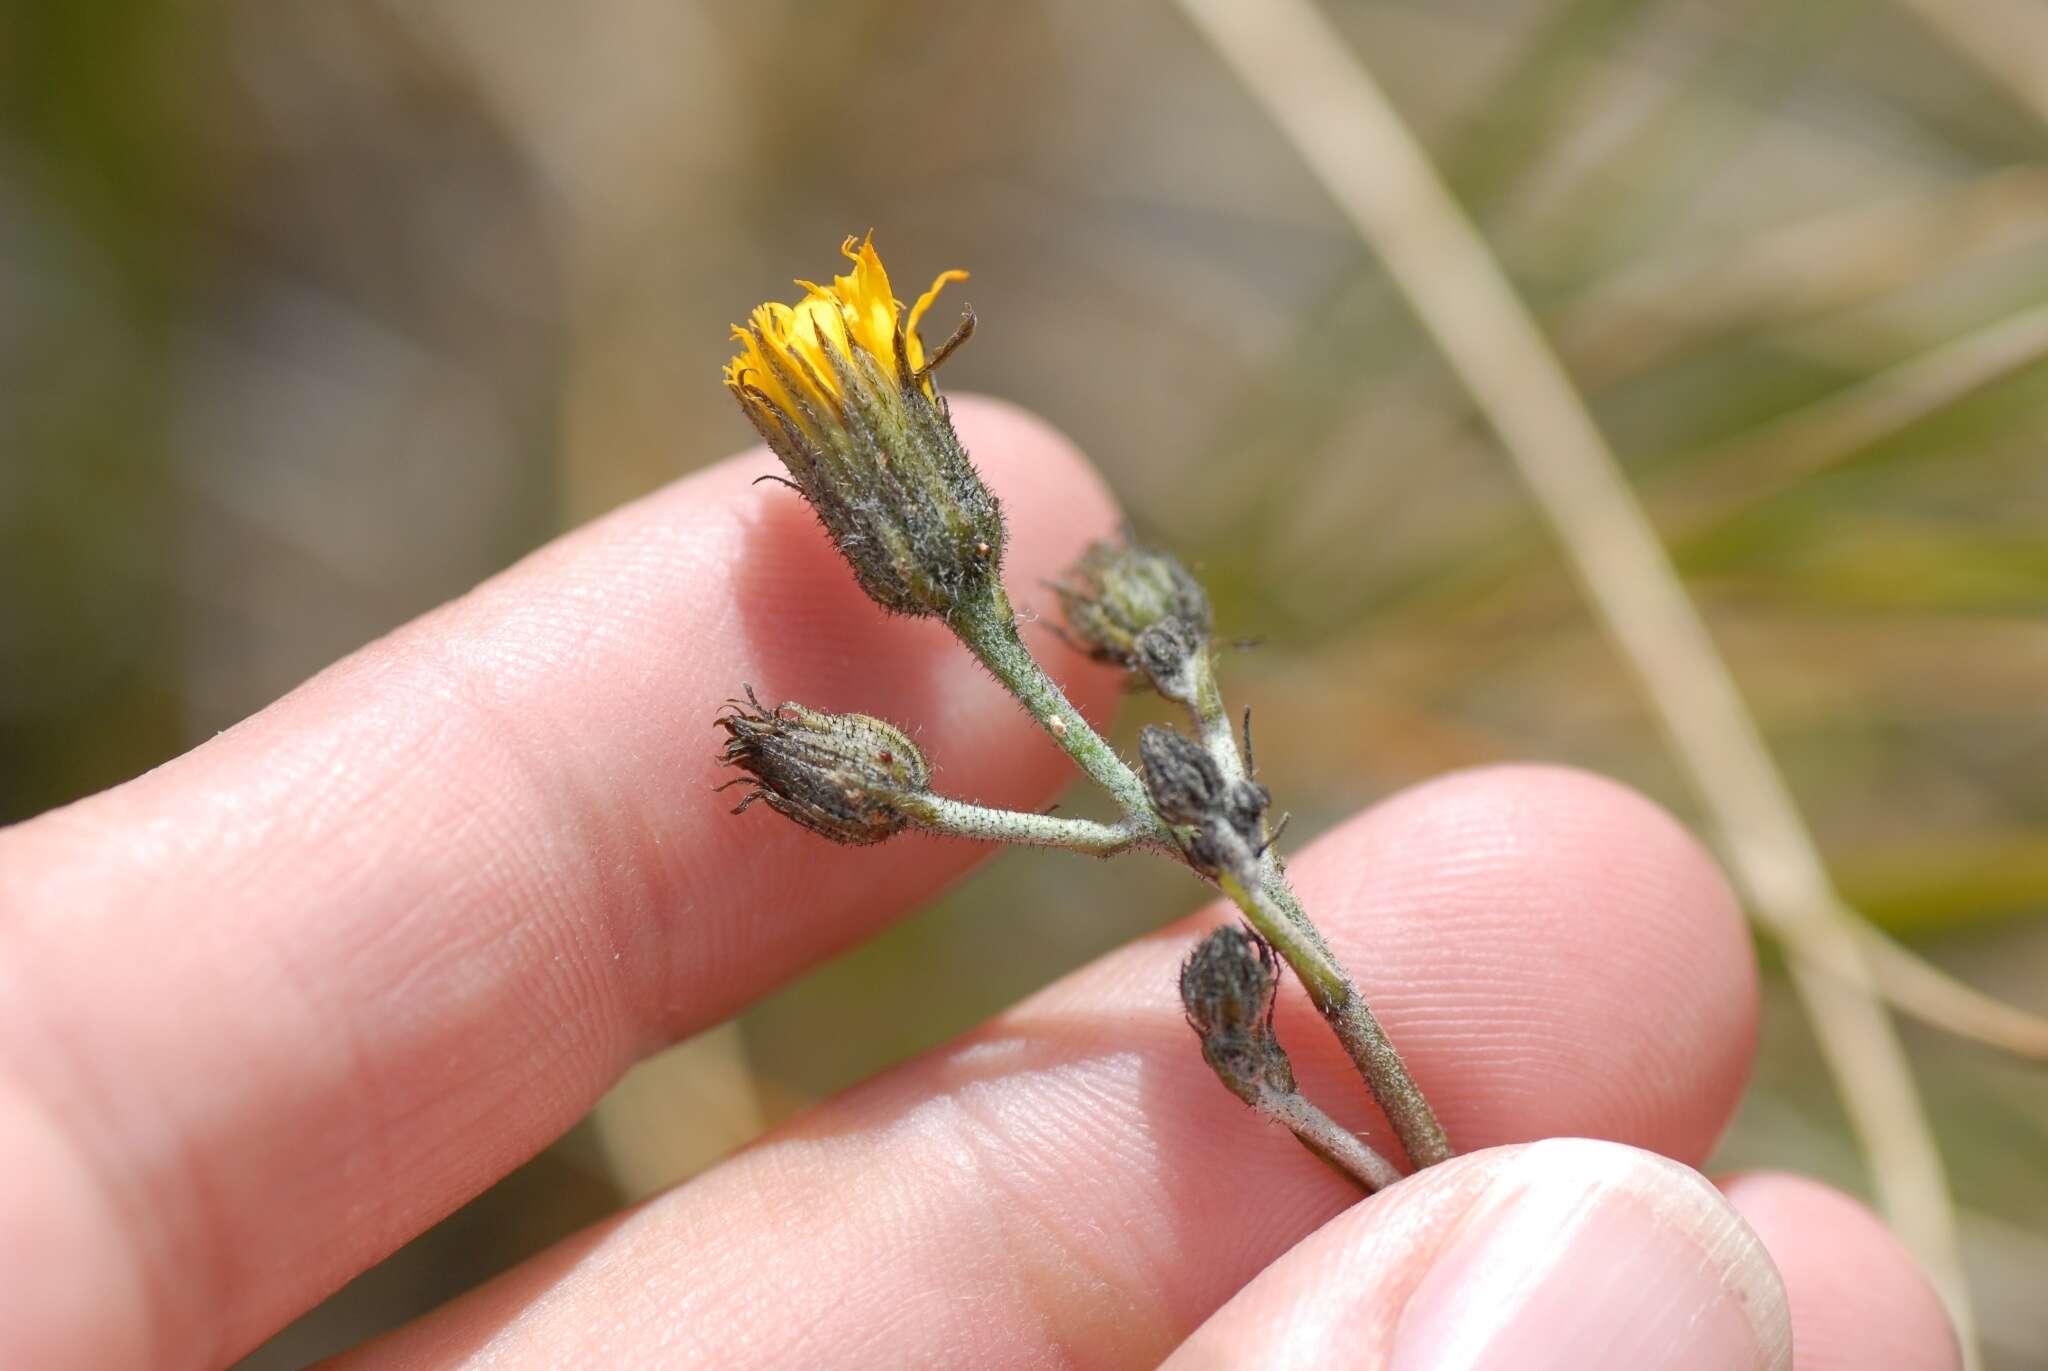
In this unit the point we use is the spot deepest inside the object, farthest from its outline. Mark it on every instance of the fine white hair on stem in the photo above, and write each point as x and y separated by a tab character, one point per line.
1335	116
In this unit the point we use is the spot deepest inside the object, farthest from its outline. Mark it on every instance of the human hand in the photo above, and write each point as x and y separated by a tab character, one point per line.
277	1006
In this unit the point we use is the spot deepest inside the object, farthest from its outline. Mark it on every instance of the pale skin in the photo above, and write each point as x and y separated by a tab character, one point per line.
275	1007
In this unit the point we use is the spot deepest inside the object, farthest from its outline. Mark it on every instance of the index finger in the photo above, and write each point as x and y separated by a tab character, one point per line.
282	1003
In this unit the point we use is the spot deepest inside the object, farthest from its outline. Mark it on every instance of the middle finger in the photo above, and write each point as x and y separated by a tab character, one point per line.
1552	954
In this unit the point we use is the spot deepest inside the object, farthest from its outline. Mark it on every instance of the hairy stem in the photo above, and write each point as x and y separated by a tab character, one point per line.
960	819
1324	1136
1280	920
988	627
1275	910
1212	718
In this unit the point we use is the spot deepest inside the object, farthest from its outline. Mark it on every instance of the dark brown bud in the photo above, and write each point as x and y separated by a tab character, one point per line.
1219	822
1227	988
1138	608
1184	781
842	775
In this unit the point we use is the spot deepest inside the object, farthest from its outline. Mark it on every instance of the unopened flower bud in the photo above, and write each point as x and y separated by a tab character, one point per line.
1227	988
843	775
1138	608
1165	654
840	388
1219	821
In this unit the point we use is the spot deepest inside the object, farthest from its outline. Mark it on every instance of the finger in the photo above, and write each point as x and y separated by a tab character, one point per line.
1572	1254
1070	1184
278	1005
1553	1255
1858	1299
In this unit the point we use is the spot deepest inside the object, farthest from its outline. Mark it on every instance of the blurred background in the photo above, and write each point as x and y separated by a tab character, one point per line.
312	315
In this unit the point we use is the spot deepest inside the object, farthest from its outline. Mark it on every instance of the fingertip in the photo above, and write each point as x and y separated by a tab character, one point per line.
1858	1298
1552	955
1570	1252
503	816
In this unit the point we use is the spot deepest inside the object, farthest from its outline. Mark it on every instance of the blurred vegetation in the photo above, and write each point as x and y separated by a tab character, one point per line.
313	315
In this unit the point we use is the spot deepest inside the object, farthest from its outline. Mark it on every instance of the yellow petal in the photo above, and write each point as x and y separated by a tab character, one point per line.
869	304
788	352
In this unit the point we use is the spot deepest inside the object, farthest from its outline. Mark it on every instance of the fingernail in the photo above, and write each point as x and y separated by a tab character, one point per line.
1590	1254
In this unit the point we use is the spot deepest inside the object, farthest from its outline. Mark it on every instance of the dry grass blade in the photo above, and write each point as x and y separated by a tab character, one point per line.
1341	124
1753	466
1934	997
2007	39
1633	320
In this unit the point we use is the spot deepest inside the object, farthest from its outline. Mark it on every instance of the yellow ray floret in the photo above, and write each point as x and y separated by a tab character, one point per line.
784	348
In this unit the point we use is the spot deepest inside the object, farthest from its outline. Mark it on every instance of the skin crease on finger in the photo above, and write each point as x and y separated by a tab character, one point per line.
1070	1185
280	1004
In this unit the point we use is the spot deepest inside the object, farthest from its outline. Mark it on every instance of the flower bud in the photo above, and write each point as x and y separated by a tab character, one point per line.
839	387
842	775
1227	988
1218	821
1138	608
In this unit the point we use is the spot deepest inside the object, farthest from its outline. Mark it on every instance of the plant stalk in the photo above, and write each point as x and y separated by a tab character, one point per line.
1282	922
1324	1136
988	628
1271	905
980	823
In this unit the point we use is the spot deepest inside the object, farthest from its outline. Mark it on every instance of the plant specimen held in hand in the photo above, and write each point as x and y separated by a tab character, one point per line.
840	386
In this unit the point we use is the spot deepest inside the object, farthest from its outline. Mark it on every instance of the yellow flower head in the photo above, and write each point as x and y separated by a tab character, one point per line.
798	356
839	386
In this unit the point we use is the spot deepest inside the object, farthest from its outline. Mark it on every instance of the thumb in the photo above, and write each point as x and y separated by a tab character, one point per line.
1562	1253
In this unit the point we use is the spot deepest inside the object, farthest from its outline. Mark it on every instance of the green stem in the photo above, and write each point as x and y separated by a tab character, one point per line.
1275	910
960	819
1212	718
988	628
1204	699
1324	1136
1282	923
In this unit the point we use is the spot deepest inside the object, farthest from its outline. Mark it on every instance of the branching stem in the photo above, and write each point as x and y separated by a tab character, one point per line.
1212	718
989	630
1271	905
961	819
1281	921
1324	1136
